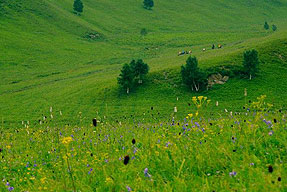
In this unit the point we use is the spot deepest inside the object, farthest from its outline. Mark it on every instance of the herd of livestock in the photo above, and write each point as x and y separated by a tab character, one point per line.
219	46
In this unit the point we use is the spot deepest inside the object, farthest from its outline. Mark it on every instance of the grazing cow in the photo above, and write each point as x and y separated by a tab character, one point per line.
213	46
203	49
219	46
181	53
189	52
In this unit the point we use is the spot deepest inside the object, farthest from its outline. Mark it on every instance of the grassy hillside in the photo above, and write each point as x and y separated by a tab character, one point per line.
46	59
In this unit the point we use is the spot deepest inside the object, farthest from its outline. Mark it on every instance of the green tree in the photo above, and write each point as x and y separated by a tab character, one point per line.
148	4
126	78
192	76
139	70
78	6
266	25
274	27
251	62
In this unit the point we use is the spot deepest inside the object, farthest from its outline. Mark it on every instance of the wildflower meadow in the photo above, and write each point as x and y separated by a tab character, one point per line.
231	151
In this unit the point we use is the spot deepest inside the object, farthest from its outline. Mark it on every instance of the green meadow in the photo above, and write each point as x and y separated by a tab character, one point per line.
59	71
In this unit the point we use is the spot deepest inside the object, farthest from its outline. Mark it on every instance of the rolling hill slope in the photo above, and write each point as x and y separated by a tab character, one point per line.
47	60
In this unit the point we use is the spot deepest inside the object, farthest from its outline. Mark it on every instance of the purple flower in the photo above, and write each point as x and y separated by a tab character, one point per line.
270	133
233	139
135	150
251	164
167	144
233	173
269	123
196	124
90	171
11	188
146	174
128	188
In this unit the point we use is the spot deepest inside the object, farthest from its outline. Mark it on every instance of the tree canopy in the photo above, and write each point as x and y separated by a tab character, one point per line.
250	62
78	6
192	76
148	4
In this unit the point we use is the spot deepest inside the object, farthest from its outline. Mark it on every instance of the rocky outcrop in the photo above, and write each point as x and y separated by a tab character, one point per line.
217	79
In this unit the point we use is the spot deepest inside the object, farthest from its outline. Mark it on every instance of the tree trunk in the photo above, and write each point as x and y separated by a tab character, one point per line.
250	77
196	88
128	90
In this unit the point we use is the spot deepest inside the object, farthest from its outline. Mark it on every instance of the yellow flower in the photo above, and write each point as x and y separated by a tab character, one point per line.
109	180
194	100
43	180
67	140
196	114
200	98
8	147
190	115
208	101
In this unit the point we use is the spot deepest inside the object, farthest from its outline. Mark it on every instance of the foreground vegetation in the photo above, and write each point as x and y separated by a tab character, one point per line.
236	152
53	57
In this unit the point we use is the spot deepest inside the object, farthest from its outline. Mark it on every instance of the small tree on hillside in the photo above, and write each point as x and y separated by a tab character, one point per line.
139	69
192	75
274	27
148	4
251	62
126	78
266	25
78	6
